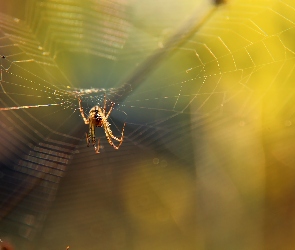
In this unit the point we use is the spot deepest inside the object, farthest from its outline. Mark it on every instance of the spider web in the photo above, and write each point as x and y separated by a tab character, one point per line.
238	68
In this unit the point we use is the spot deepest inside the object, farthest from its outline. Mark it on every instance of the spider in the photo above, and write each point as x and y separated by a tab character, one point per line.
99	118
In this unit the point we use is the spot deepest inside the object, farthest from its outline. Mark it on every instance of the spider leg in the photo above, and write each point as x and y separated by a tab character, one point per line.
91	134
104	103
111	108
110	136
87	139
98	147
105	107
86	121
107	128
93	141
112	143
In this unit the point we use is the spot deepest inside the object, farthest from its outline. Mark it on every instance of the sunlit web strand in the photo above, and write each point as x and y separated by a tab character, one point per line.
31	106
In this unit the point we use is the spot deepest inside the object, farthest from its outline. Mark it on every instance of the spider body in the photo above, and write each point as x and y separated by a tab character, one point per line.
99	118
94	117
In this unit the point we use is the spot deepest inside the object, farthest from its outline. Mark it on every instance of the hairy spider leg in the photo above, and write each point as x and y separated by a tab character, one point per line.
105	107
98	147
104	104
110	136
86	121
91	136
87	139
111	108
92	132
